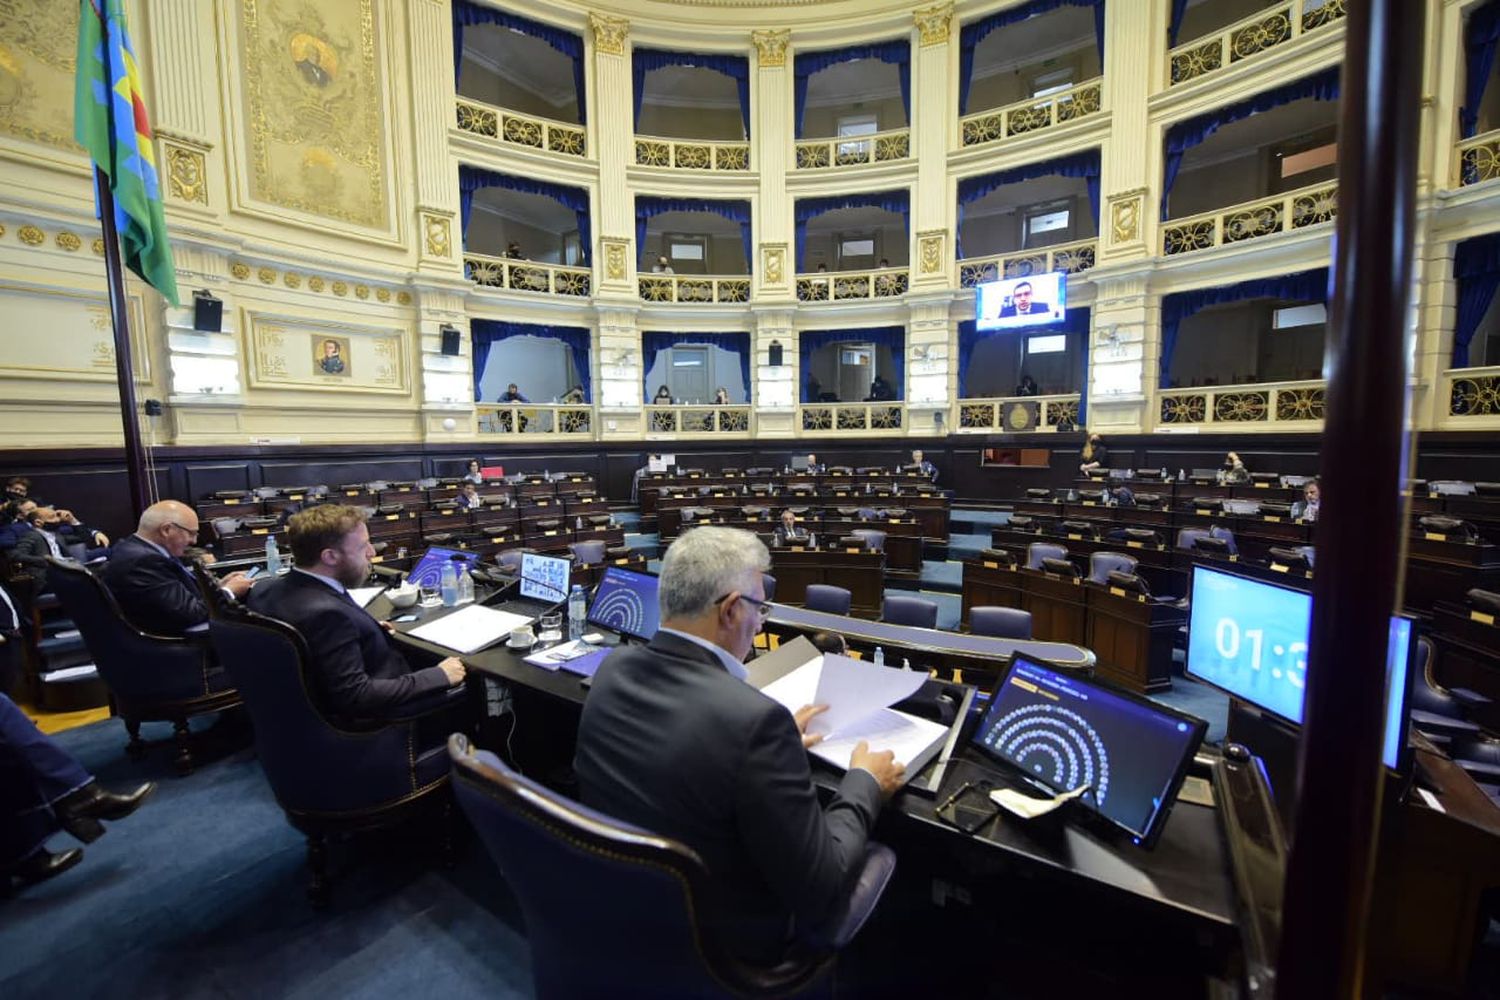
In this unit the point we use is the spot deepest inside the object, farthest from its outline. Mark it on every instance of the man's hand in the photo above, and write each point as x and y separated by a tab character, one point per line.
66	516
454	668
803	716
237	584
880	763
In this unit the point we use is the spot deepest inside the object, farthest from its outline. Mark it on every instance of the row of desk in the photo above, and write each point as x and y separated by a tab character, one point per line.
930	510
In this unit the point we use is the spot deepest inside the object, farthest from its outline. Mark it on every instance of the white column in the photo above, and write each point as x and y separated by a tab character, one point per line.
1435	311
933	127
772	145
619	362
432	92
447	386
1124	350
931	373
612	124
776	386
1135	57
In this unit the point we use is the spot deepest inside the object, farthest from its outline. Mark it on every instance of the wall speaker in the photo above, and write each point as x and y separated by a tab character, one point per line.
450	340
774	353
208	312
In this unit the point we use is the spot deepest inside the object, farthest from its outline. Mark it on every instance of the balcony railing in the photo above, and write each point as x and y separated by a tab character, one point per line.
1479	158
1474	392
1018	414
847	151
1270	403
555	419
1297	209
521	130
1033	114
691	154
698	420
1070	257
854	418
694	288
527	275
1250	36
825	286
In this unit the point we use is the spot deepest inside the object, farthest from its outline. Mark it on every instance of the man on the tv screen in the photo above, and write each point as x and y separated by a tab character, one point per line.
1021	303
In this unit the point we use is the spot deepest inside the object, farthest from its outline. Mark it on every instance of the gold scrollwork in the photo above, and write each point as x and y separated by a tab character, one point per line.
1025	265
773	264
438	239
1061	410
31	236
885	417
1241	407
383	294
1330	11
930	253
732	290
480	121
734	420
852	418
186	175
609	33
649	153
1475	396
1029	119
732	158
934	23
521	131
811	155
572	283
340	288
1258	37
693	157
1125	220
315	284
1191	408
770	47
893	147
987	128
977	273
69	241
812	289
1254	222
1197	61
1074	261
561	139
976	415
362	291
1318	206
1480	163
817	418
1084	101
656	289
614	260
1300	404
1192	236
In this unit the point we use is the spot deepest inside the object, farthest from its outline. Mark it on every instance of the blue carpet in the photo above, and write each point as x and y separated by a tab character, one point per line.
1208	704
201	894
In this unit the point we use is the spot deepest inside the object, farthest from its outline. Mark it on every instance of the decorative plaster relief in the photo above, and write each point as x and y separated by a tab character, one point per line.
38	57
615	257
930	251
770	47
934	22
773	263
437	239
609	34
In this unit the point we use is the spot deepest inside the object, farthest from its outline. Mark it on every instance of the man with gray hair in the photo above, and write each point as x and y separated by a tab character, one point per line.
152	584
672	739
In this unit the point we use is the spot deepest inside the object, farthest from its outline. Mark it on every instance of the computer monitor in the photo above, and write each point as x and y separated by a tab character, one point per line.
1248	638
798	463
1033	300
626	602
1061	731
544	578
428	572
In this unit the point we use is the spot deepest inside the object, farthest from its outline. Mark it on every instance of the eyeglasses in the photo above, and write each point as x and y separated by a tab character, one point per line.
762	608
183	527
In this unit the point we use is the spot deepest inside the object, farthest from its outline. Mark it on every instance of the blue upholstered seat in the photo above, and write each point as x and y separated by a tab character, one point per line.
916	611
610	908
874	539
1002	623
1037	551
769	583
826	597
588	553
1101	564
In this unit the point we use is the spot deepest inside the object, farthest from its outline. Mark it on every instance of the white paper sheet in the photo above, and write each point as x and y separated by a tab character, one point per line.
364	595
854	691
906	736
470	628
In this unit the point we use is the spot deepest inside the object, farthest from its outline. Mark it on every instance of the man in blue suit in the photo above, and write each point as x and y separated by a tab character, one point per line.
673	739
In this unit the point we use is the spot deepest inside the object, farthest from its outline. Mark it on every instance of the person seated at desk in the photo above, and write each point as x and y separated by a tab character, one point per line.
468	498
1095	455
920	465
663	396
673	740
1234	469
473	474
1306	509
358	676
813	465
789	532
151	582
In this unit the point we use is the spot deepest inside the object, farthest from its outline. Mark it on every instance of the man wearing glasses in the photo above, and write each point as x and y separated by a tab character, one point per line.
152	584
674	740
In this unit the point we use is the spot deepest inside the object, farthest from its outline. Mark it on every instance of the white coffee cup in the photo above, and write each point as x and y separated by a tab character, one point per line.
522	636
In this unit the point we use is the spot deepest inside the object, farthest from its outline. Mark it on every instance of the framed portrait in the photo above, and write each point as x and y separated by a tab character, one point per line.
331	356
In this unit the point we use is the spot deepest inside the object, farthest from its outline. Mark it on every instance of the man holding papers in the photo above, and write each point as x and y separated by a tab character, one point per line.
672	739
356	672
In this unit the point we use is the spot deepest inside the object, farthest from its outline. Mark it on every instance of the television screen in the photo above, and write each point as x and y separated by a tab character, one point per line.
626	603
1249	638
544	578
1036	300
428	572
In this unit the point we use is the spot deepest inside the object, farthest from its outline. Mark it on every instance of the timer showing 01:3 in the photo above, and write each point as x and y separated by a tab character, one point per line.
1291	658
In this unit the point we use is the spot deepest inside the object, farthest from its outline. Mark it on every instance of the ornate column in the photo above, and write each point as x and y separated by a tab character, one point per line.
447	380
430	62
185	115
776	386
931	373
612	122
620	374
771	143
1134	64
933	124
1124	349
1435	313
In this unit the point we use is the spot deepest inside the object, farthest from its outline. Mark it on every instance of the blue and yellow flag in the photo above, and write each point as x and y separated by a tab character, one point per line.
109	120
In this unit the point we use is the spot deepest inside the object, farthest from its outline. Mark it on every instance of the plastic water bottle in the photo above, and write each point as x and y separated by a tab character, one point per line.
879	658
465	586
905	663
579	524
273	556
578	612
449	585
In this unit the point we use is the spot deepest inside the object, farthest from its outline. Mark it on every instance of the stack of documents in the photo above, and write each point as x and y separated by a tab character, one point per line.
469	629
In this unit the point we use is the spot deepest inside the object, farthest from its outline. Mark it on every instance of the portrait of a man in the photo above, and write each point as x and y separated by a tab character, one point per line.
331	355
1022	304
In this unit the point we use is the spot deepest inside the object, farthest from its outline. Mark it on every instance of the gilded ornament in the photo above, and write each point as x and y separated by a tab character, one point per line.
185	175
362	291
38	49
31	236
609	34
69	241
2	229
98	244
383	294
933	22
403	298
930	253
340	288
773	264
267	275
770	47
239	271
614	260
315	284
1125	220
292	280
438	239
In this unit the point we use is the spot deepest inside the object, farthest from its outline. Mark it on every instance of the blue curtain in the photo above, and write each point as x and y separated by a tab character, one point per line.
1476	265
972	34
808	63
891	337
1076	322
569	44
1305	286
1480	35
653	343
486	333
643	61
1183	136
472	179
648	207
1179	9
808	208
1084	164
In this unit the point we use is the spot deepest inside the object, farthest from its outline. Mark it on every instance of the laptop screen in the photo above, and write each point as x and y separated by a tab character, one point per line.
544	578
428	572
1061	731
626	603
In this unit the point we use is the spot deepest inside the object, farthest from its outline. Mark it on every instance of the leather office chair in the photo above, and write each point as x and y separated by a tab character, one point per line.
151	678
1187	537
1037	551
828	598
874	540
1226	536
1101	564
641	894
589	553
1001	623
916	611
327	780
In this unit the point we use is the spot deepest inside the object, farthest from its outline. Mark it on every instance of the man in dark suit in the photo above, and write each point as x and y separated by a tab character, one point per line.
1021	303
153	586
789	532
920	465
358	675
672	739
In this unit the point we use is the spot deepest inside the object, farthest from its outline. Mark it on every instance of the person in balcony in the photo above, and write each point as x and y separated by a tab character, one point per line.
574	396
512	394
662	266
881	390
1027	386
663	397
513	251
721	396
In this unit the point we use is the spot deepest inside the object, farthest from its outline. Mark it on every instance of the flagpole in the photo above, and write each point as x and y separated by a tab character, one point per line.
119	314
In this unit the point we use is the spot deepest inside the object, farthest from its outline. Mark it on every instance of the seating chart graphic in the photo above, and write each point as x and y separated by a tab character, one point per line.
1054	744
428	572
621	610
626	602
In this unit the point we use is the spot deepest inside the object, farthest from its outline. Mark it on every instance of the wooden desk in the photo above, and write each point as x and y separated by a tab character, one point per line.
860	572
903	541
989	584
1132	637
1438	569
1467	655
1057	605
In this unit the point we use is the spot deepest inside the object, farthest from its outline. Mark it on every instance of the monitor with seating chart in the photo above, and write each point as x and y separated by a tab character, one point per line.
544	578
428	572
625	601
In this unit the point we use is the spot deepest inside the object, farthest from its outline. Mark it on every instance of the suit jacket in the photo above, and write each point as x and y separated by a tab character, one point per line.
797	536
1037	309
672	742
31	552
356	672
156	593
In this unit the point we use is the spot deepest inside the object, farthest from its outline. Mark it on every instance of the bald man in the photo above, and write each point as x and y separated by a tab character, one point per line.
153	585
